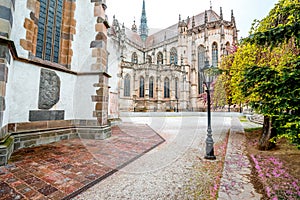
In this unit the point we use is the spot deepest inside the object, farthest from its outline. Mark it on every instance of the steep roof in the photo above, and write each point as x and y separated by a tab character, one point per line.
162	35
170	31
212	16
134	37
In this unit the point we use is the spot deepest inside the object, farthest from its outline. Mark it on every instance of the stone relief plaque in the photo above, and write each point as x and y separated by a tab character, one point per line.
49	92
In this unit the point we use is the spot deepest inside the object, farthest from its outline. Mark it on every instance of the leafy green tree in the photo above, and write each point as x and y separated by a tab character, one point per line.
225	77
219	94
266	73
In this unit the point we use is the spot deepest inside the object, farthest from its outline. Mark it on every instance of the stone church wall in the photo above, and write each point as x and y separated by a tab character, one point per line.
24	92
114	60
18	30
43	101
83	106
85	29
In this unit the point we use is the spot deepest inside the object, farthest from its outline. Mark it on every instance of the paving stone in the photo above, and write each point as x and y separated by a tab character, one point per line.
165	172
237	168
56	170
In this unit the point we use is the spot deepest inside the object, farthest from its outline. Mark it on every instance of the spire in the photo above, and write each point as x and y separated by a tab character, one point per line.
205	17
114	20
193	21
221	13
133	27
232	17
143	26
210	5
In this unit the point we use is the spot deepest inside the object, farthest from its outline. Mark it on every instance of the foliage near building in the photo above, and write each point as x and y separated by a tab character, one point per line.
265	72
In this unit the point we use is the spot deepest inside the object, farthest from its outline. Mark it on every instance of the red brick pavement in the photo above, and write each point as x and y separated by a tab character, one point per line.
63	169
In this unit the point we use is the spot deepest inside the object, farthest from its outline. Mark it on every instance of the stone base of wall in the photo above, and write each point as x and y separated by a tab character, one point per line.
6	150
95	133
30	134
114	121
43	137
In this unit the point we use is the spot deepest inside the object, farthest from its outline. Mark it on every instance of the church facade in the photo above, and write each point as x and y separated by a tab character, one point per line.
164	71
65	70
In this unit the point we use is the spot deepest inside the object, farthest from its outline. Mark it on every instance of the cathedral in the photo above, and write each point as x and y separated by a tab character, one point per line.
164	71
66	71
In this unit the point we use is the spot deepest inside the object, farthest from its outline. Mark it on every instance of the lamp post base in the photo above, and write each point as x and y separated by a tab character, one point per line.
210	157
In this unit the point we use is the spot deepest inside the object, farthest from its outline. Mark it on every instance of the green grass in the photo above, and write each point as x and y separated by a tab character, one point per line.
252	129
243	119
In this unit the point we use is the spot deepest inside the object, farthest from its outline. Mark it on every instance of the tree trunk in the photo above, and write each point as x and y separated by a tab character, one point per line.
269	132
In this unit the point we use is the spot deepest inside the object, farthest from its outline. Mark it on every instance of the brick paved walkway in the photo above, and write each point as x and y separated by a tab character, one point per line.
62	170
235	183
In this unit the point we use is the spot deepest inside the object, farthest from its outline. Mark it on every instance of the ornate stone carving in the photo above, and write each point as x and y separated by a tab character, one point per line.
49	89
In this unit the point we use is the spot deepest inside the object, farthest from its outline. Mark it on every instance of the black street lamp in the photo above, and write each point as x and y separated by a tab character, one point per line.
177	104
209	140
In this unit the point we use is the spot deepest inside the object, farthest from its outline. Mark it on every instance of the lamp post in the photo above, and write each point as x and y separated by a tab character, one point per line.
209	140
177	104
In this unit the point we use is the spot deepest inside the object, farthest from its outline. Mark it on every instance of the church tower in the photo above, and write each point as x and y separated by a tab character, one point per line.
144	26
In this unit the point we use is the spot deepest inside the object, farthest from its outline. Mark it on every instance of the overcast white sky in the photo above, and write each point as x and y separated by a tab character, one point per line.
164	13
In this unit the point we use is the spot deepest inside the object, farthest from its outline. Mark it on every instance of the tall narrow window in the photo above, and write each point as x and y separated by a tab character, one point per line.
176	88
166	88
173	56
214	53
134	58
201	64
160	58
49	28
142	87
127	86
227	48
151	86
149	59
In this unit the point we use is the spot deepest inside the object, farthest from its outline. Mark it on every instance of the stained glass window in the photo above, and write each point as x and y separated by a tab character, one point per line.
134	58
227	48
214	54
149	59
166	88
151	85
173	56
201	64
159	58
142	87
49	28
127	86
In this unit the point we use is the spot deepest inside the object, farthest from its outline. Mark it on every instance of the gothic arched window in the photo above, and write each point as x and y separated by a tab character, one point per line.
151	86
49	30
214	54
127	86
134	58
149	59
201	65
173	56
142	87
160	58
167	88
227	48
